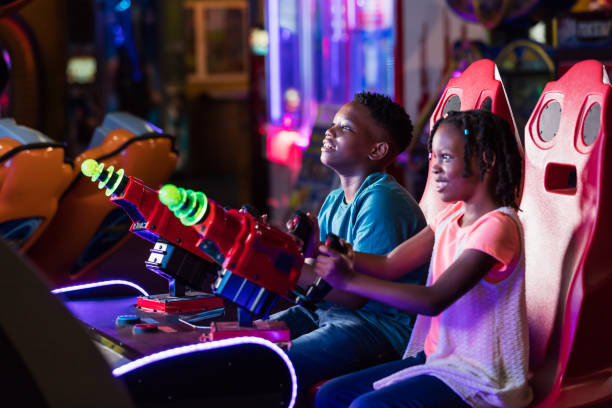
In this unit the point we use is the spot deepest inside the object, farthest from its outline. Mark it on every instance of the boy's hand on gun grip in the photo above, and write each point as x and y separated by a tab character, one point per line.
311	249
335	268
304	228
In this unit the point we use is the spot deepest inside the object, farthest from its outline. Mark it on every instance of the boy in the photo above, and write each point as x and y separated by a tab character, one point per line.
374	214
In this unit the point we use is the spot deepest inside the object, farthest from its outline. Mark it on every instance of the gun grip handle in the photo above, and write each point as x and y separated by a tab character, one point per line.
302	228
319	289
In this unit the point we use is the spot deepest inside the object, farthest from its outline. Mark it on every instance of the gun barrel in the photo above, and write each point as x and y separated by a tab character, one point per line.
187	205
114	181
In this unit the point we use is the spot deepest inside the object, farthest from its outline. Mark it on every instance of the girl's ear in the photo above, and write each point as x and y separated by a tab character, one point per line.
492	161
379	151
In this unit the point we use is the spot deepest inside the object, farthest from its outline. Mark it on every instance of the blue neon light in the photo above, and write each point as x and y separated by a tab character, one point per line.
118	35
154	128
123	5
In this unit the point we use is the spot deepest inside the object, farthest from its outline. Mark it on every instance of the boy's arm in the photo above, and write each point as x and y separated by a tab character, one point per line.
387	222
471	266
408	256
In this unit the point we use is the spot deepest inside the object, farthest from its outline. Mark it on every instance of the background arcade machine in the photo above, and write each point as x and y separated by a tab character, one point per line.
87	227
584	33
53	363
34	173
478	87
526	66
320	54
21	91
566	214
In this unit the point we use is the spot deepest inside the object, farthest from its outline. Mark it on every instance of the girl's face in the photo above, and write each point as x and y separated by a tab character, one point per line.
448	166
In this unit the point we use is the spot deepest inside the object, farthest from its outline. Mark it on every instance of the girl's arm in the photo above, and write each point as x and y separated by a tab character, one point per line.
406	257
471	266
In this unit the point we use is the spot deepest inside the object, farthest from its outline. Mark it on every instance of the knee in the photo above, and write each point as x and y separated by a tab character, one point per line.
324	397
330	396
365	401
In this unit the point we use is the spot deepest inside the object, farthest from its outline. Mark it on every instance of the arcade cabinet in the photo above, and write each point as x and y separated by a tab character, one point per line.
50	359
54	363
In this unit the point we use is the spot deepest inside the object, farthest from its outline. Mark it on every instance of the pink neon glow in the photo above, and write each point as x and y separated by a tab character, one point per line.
302	140
287	121
279	144
99	284
150	359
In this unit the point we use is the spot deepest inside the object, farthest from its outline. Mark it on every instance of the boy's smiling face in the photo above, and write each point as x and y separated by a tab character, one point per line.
348	143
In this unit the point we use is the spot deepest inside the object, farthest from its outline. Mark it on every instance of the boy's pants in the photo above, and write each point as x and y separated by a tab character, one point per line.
332	342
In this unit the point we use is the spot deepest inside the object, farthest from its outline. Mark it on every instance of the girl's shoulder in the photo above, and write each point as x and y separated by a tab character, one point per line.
501	221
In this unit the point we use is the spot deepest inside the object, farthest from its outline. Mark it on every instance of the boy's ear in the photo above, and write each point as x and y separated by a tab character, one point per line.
379	150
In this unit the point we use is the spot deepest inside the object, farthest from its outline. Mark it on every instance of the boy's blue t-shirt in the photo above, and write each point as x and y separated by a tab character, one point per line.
382	216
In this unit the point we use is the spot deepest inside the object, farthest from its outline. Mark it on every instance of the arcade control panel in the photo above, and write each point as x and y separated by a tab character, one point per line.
125	331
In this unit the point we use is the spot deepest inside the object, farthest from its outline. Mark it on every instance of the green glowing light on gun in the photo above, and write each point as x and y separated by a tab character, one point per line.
107	178
188	205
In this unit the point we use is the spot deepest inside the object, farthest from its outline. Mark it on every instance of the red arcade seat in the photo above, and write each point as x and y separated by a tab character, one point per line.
478	87
88	227
33	176
567	214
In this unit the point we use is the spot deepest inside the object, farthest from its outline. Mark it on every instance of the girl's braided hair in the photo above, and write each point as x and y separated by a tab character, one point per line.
490	138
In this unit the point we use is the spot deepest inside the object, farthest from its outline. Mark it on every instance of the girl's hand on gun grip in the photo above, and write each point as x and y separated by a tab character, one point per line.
335	268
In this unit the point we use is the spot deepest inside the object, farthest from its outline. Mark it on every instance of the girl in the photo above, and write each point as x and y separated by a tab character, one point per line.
469	346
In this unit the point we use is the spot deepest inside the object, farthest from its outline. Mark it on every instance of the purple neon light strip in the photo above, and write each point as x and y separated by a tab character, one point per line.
126	368
274	79
7	58
99	284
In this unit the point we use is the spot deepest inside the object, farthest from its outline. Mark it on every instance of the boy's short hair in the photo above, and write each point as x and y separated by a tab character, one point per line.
389	115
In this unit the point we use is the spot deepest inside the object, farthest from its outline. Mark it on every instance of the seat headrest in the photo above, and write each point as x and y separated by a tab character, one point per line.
121	120
24	135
